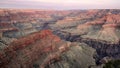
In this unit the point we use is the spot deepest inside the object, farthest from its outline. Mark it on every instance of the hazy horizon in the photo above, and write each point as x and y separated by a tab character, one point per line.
60	4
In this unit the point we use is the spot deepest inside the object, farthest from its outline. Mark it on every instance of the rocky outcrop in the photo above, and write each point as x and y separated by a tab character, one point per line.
78	56
103	48
20	53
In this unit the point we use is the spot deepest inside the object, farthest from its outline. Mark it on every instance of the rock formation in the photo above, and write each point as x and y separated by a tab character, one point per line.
59	39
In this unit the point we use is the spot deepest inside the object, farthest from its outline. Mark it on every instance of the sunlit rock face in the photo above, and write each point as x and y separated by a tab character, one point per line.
59	39
78	56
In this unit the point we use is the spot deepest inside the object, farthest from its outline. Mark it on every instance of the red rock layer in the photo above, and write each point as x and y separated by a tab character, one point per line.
24	51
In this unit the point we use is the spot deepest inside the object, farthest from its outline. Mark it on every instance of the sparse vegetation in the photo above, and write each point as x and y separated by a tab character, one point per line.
112	64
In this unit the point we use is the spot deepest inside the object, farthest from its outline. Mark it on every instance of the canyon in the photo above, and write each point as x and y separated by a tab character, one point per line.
59	38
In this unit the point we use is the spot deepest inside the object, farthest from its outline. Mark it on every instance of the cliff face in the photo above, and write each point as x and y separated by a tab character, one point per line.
79	56
103	48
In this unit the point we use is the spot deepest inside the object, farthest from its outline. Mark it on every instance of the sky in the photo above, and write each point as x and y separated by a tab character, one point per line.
61	4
